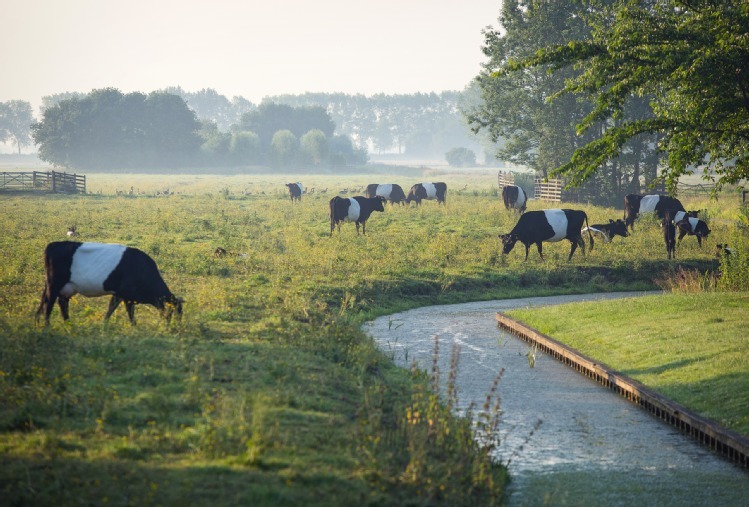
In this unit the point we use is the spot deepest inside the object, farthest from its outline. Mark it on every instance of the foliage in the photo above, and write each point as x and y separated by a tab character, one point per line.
15	123
461	157
107	130
284	149
209	105
687	57
314	147
539	132
269	118
245	149
419	124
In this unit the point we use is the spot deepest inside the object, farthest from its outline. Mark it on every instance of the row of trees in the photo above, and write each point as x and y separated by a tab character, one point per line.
107	129
419	125
619	93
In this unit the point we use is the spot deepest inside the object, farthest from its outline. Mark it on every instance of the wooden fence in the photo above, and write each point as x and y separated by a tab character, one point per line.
548	190
505	178
37	181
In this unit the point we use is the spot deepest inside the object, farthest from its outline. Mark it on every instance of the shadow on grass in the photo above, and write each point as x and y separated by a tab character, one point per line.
73	481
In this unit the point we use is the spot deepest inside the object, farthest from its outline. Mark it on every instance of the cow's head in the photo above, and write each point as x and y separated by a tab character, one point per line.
508	242
172	305
380	204
618	227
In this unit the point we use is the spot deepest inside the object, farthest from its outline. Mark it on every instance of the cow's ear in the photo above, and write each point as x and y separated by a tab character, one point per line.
611	221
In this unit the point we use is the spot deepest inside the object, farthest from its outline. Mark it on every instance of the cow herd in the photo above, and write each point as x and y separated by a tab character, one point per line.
130	276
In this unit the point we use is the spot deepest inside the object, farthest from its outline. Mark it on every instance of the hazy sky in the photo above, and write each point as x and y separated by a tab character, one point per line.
241	47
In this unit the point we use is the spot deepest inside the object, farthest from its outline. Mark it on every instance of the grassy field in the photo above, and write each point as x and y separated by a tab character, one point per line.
267	391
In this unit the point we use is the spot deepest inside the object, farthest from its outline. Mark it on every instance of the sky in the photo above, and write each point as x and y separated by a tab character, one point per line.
241	47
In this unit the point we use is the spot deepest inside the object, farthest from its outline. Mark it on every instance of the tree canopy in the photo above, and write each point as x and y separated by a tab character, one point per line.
107	129
687	60
15	122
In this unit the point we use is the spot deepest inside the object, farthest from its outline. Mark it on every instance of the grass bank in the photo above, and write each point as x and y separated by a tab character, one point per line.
691	348
266	392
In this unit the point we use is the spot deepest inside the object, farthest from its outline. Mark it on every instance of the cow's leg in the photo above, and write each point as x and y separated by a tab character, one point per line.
357	228
540	251
699	240
682	233
364	228
113	304
130	307
51	300
64	302
573	248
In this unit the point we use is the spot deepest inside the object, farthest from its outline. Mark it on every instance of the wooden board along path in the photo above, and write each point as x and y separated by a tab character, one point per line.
728	443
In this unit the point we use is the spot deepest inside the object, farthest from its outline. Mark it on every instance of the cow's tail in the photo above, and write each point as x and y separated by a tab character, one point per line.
590	234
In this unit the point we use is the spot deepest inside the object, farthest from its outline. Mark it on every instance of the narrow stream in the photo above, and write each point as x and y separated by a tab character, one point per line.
592	447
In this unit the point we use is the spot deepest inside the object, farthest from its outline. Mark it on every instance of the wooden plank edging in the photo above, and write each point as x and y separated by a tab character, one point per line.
726	442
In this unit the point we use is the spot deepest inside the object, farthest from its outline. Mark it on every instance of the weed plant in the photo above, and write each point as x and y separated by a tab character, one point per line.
267	391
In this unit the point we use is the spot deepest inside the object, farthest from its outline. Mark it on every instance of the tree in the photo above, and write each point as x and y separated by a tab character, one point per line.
314	147
284	148
244	148
690	56
106	129
269	118
515	107
16	117
343	153
460	157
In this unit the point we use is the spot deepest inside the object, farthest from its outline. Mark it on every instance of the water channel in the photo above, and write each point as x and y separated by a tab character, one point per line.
592	446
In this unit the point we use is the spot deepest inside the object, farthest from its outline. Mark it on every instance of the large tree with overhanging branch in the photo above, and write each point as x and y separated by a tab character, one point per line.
690	59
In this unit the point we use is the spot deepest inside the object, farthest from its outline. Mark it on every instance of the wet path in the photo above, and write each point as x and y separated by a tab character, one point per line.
592	447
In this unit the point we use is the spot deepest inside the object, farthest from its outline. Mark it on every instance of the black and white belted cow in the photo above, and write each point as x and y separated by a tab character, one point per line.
635	205
548	225
295	191
100	269
693	227
353	209
608	231
391	192
428	191
722	249
514	197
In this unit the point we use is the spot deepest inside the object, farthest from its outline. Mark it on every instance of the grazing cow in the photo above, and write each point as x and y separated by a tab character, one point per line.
548	225
660	204
429	191
390	192
669	235
514	197
722	249
295	191
353	209
608	231
222	252
98	269
681	215
693	227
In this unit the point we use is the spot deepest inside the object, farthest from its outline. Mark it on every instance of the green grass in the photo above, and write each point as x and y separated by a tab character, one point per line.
267	391
692	348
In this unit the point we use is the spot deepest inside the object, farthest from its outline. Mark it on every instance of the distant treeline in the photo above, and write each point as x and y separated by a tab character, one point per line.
170	128
109	130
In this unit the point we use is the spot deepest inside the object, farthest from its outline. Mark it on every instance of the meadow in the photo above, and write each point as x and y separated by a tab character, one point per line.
267	391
